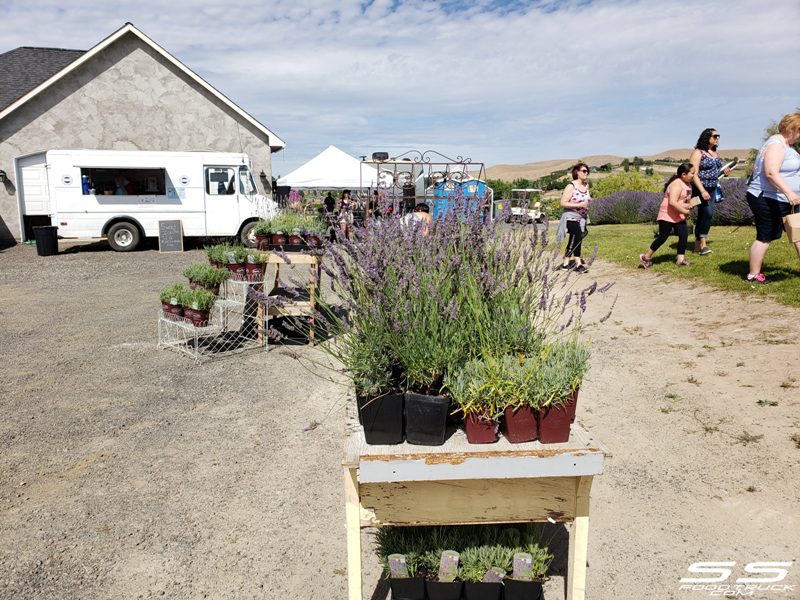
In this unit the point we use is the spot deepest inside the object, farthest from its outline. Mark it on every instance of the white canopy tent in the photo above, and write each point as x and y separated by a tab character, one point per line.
332	169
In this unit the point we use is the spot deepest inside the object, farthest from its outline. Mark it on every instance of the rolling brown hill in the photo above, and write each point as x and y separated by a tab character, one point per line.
534	170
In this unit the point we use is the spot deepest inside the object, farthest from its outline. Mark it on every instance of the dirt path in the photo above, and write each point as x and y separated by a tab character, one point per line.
700	470
128	472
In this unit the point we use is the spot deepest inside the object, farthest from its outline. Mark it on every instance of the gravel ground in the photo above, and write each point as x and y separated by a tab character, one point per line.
130	472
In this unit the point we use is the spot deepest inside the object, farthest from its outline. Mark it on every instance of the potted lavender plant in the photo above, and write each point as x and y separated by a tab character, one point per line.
461	290
197	306
205	276
171	300
557	382
530	567
236	260
480	388
483	569
263	231
401	557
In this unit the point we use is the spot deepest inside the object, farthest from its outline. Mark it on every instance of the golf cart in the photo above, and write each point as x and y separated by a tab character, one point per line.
524	209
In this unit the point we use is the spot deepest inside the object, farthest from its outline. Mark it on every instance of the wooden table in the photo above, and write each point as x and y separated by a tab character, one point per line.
461	483
298	307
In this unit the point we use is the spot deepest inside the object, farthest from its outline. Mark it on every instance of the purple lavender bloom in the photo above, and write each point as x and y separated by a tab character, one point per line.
630	206
733	210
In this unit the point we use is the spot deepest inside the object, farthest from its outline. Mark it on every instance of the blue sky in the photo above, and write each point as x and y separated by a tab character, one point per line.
499	82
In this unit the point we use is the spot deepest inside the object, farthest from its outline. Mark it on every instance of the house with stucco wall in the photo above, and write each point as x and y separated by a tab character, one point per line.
126	93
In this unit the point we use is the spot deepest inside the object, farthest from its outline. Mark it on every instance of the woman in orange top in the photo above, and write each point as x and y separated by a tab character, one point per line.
672	214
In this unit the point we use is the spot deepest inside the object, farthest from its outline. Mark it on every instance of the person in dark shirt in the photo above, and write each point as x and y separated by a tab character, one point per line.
330	203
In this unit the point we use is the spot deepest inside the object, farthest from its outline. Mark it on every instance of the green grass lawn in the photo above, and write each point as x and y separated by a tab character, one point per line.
725	268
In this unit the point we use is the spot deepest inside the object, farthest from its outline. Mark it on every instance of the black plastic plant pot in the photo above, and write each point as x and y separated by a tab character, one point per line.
426	419
411	588
441	590
522	590
382	418
483	591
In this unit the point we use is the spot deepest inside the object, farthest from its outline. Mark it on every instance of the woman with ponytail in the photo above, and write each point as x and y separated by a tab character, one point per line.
672	215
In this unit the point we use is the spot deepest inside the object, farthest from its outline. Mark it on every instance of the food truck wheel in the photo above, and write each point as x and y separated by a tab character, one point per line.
123	237
247	236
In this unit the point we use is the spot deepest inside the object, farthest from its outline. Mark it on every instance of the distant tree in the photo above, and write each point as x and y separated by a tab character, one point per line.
637	162
501	189
649	171
771	130
626	164
521	183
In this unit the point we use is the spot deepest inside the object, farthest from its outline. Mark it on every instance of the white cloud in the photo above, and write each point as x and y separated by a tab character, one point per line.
546	81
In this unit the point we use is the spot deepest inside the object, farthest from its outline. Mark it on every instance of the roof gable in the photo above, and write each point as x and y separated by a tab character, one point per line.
275	142
23	69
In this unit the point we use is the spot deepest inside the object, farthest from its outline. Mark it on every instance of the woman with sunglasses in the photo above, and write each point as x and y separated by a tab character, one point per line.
708	165
575	202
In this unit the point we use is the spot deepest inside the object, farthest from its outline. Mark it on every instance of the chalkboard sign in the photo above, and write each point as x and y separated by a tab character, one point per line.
170	236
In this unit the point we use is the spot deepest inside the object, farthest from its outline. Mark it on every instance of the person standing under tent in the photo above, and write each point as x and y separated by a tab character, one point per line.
346	215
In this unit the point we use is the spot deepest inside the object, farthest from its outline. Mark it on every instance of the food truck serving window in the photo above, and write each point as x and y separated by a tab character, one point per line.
124	181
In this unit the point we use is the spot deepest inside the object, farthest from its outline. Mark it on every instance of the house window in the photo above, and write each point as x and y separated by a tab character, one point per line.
125	182
220	181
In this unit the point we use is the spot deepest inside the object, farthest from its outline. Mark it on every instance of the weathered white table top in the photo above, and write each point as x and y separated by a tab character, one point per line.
581	455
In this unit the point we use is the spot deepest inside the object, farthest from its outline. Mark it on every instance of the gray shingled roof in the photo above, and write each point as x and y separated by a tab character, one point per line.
24	68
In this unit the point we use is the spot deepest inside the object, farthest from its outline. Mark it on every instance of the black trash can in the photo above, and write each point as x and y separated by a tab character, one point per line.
46	240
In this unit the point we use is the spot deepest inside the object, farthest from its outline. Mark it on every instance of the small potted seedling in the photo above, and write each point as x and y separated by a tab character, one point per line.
445	586
206	276
403	581
171	300
263	230
295	239
483	569
520	423
400	554
313	231
197	306
479	388
212	254
237	258
254	267
278	228
528	574
557	382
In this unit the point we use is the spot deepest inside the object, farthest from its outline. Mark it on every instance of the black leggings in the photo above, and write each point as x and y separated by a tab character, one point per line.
575	238
665	229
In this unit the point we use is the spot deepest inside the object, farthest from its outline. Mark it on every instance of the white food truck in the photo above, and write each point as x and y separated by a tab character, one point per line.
122	195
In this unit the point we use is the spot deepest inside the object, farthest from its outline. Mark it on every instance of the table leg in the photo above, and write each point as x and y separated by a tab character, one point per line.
312	298
353	519
579	542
